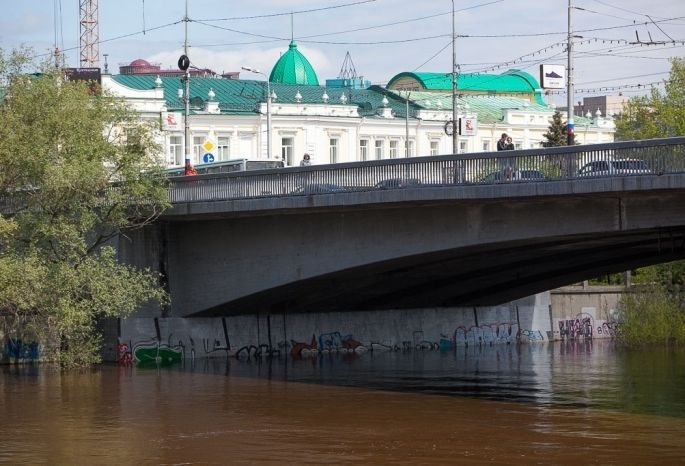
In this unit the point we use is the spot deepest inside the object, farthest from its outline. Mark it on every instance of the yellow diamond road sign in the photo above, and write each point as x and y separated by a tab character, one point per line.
208	145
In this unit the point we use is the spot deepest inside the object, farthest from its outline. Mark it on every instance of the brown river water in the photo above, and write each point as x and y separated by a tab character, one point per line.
564	403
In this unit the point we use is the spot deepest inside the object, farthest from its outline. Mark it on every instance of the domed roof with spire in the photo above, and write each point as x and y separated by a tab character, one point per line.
293	68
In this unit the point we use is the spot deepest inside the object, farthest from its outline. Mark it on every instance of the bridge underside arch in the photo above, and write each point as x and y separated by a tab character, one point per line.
413	254
478	275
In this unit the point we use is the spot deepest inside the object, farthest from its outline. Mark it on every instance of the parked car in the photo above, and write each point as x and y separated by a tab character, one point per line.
318	188
614	167
513	175
393	183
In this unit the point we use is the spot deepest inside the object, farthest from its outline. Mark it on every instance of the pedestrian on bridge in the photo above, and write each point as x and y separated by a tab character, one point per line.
502	143
305	161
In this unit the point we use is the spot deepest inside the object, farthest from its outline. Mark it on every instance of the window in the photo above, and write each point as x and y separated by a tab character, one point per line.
486	145
287	150
462	147
518	145
333	150
363	149
198	150
246	146
379	149
176	150
410	149
223	148
393	149
435	147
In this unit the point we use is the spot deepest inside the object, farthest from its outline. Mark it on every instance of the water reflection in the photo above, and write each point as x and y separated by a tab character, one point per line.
533	404
573	374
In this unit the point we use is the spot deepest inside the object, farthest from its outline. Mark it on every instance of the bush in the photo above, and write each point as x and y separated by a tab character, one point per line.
652	315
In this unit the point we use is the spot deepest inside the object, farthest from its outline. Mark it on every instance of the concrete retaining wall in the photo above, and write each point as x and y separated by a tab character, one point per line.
542	317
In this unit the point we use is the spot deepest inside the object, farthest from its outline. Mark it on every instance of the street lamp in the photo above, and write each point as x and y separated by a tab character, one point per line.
268	108
406	124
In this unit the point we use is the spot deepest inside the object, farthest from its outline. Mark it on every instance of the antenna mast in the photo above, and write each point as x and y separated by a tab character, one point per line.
90	33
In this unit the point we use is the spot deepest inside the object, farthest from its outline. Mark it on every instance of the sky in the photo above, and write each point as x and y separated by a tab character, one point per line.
383	37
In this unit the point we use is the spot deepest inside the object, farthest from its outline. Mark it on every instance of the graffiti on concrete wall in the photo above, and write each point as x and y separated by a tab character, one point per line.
164	347
19	350
609	328
302	349
124	356
157	353
486	334
580	327
530	335
333	342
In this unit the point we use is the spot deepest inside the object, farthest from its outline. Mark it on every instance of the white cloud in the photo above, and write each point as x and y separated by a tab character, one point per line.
233	60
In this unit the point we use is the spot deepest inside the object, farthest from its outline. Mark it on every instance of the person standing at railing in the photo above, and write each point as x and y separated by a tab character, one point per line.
305	161
502	143
189	170
505	164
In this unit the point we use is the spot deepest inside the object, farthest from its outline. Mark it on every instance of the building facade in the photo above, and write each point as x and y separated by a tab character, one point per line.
229	117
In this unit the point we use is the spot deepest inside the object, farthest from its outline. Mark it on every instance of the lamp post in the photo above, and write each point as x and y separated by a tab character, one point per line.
455	121
268	108
569	87
406	125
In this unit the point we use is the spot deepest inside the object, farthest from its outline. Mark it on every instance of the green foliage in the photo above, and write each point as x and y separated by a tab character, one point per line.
652	315
78	169
556	134
658	114
608	279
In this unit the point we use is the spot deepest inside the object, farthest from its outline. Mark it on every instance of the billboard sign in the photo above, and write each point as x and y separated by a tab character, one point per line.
172	121
552	76
82	74
468	125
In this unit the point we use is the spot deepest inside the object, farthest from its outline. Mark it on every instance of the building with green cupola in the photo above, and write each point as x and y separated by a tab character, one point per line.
346	119
293	68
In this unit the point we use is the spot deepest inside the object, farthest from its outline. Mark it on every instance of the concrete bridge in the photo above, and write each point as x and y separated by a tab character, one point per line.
451	230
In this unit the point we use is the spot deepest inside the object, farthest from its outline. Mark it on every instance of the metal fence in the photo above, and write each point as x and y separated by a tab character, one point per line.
633	158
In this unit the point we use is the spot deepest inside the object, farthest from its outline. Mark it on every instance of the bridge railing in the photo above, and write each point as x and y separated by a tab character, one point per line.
632	158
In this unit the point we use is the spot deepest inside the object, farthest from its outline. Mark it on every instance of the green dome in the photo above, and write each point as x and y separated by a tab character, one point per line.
293	68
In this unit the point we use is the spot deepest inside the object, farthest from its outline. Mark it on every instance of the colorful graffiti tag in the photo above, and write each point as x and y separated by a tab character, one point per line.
19	350
156	353
581	326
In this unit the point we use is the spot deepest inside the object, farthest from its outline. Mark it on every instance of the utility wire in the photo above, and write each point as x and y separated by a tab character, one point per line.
273	15
307	39
395	23
625	77
435	55
111	39
622	9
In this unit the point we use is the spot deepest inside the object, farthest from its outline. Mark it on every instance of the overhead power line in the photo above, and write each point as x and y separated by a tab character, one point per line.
298	12
111	39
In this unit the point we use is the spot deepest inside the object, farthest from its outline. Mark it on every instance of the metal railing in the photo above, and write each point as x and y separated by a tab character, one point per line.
633	158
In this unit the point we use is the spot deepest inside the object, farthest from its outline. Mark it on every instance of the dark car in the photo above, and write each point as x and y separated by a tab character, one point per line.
514	175
615	167
393	183
318	188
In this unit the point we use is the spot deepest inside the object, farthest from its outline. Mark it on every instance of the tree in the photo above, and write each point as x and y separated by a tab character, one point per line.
78	168
657	114
556	134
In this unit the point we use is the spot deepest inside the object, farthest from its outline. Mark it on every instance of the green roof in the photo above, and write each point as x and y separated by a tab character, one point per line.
513	81
293	68
489	108
244	96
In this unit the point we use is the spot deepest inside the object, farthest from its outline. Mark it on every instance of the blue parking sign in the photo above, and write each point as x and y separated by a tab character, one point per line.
208	157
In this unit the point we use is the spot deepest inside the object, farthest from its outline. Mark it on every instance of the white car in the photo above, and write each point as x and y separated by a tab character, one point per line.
615	167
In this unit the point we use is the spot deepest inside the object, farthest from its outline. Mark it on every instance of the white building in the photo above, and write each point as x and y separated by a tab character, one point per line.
228	118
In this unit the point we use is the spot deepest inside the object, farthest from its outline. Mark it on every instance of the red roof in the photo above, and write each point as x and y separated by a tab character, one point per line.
139	62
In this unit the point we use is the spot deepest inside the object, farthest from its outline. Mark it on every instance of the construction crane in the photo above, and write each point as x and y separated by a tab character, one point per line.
90	33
